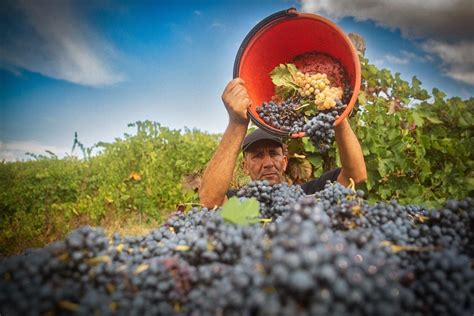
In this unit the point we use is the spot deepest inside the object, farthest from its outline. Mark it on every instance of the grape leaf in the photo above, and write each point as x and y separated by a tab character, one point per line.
309	112
308	146
434	119
283	78
292	69
280	75
236	212
316	160
462	122
418	119
361	98
284	91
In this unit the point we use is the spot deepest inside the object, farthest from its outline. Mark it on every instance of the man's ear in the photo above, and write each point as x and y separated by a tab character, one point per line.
285	160
243	165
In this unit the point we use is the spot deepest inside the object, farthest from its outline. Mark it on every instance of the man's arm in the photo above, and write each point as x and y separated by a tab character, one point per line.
350	153
218	175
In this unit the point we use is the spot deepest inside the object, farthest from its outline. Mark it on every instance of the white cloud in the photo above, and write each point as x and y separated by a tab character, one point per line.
414	18
380	62
397	60
16	150
457	58
414	57
217	25
54	39
405	57
444	27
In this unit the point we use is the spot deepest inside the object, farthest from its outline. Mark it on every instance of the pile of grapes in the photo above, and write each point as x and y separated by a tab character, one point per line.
327	254
305	102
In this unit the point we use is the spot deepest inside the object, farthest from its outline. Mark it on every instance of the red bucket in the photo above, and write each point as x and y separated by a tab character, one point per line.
279	38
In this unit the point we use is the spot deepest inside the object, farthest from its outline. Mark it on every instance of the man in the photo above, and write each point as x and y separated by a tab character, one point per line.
263	153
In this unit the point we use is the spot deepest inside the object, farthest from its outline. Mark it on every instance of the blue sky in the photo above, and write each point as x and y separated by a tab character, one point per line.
95	66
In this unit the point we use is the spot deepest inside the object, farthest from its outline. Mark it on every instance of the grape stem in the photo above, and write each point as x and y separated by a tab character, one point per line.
297	156
351	184
265	221
301	107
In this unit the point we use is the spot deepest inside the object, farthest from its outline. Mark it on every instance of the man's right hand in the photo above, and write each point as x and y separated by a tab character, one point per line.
236	101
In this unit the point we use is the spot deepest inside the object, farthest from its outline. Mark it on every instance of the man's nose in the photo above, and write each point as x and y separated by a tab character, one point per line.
267	161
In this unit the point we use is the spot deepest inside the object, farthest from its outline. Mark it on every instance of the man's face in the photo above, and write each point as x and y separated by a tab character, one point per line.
265	160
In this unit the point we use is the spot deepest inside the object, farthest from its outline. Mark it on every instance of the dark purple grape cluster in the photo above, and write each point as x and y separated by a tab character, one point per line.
274	200
309	264
347	94
340	106
343	205
284	197
320	130
261	190
331	253
444	283
282	116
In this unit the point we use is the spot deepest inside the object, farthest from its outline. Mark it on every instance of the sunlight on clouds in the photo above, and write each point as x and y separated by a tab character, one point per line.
406	57
53	39
397	60
414	18
444	26
458	62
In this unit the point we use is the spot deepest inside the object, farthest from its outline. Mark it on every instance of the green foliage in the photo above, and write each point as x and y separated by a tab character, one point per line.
36	185
139	175
142	173
417	146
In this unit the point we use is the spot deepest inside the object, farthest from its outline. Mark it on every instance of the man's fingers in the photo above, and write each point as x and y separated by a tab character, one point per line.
234	83
236	96
245	104
238	81
238	90
236	100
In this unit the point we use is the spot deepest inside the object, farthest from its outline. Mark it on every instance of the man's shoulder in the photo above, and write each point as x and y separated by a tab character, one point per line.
232	192
318	184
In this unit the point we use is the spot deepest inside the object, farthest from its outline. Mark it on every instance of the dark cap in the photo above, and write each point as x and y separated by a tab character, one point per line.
258	135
